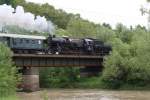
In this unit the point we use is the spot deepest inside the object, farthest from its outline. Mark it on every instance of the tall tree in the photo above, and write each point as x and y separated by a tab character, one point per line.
8	76
78	27
6	2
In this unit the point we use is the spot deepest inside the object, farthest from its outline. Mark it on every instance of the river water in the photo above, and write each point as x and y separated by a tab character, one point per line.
87	94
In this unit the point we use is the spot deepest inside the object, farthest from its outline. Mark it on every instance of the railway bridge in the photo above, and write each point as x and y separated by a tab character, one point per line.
30	64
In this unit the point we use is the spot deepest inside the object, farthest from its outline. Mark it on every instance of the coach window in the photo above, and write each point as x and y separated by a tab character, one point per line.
14	41
27	41
33	41
21	40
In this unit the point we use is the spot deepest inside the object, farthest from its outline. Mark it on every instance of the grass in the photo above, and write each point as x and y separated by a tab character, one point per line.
14	97
97	83
91	83
134	87
44	95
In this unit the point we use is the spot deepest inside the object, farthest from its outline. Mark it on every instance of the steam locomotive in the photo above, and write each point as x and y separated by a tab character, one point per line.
30	44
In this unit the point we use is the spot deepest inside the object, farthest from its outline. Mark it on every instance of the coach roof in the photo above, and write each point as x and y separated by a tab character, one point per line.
22	36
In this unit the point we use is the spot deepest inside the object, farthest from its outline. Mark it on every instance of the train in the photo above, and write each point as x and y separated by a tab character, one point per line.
31	44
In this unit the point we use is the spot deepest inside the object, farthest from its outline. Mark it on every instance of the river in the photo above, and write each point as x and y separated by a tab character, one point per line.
84	94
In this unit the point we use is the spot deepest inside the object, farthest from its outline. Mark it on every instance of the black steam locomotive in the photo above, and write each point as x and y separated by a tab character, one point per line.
29	44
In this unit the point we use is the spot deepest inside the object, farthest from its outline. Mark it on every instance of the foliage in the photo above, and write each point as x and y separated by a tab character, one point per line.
62	32
107	25
12	97
6	1
8	76
129	60
115	71
58	77
18	30
78	27
58	17
90	83
105	34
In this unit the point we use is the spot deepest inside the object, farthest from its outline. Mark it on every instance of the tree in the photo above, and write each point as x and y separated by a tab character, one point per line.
78	27
12	2
8	76
59	77
57	16
107	25
128	63
5	1
104	33
62	32
115	70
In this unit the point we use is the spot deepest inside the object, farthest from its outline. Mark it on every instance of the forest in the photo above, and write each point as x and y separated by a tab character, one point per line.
126	67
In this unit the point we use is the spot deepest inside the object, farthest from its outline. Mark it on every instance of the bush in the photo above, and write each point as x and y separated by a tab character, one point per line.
8	76
129	61
58	77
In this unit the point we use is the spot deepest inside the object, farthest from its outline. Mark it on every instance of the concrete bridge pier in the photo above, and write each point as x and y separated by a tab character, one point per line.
89	71
30	79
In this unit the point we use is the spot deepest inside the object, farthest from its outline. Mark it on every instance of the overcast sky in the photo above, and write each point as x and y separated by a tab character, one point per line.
99	11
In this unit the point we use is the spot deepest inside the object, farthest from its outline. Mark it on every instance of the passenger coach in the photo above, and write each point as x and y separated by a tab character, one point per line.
23	43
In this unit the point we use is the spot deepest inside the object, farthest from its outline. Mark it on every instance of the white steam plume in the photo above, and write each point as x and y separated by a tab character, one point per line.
26	20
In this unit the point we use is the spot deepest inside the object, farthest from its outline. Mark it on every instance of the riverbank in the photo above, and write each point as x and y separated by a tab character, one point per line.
96	83
84	94
13	97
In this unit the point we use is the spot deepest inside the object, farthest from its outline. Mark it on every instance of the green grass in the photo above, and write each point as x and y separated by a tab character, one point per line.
14	97
134	87
93	82
45	95
97	83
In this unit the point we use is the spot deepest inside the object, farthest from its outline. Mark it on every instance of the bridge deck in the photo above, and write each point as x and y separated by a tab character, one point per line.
54	56
35	60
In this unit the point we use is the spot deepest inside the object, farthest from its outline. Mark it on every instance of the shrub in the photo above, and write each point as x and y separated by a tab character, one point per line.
8	76
58	77
129	61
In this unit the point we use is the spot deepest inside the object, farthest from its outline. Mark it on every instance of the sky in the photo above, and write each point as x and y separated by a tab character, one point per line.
99	11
